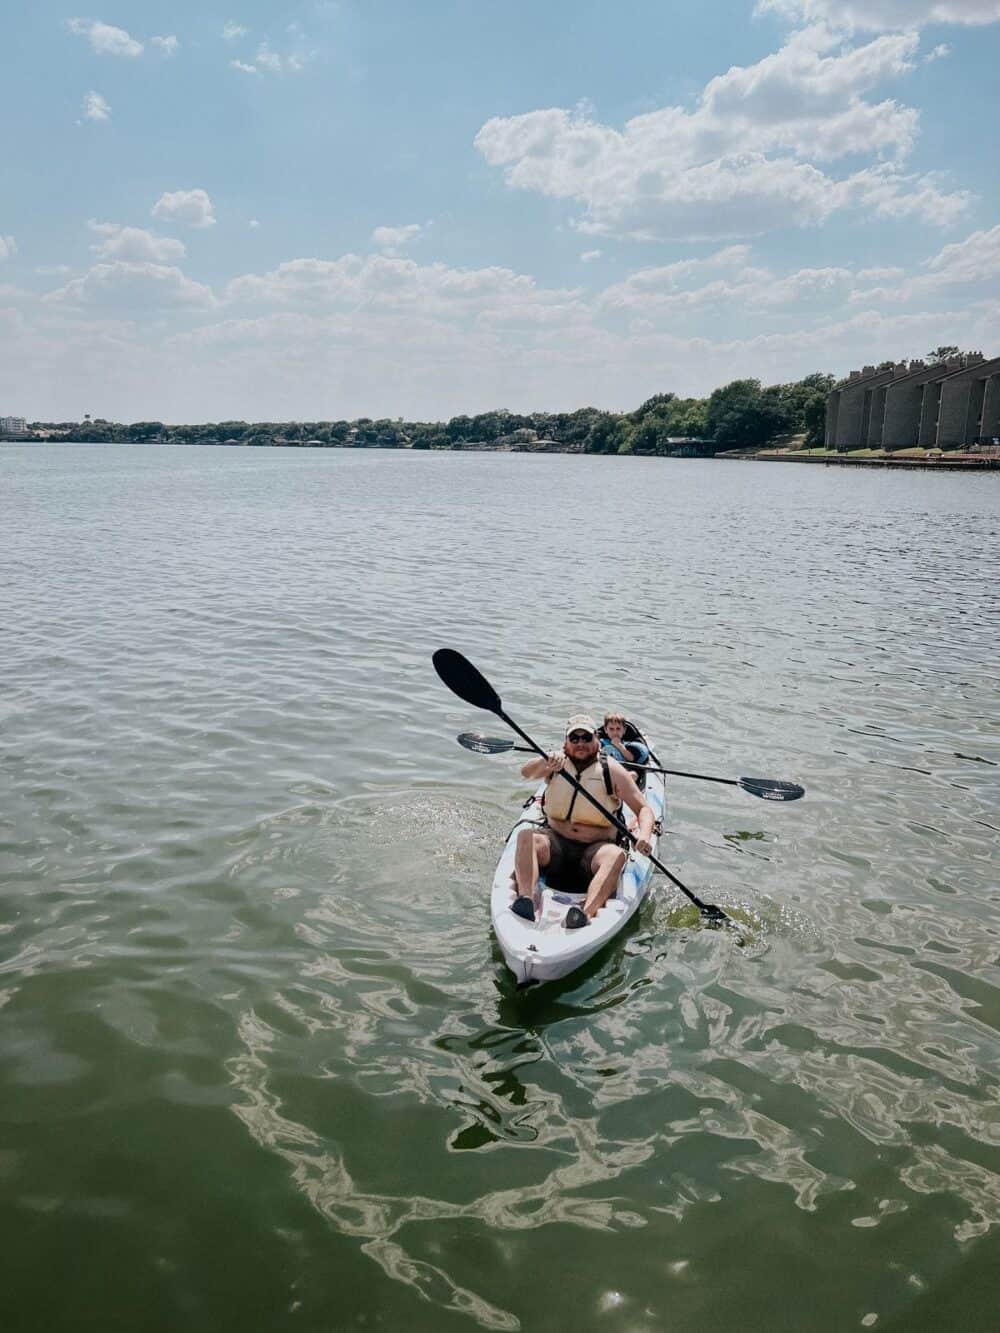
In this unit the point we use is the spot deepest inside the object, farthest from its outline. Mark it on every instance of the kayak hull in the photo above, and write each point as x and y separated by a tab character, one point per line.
544	950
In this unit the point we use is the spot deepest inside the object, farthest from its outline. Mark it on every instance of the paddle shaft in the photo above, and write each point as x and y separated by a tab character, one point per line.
609	815
648	768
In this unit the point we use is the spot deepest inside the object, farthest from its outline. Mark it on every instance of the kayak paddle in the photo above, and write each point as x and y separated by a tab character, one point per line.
463	679
768	789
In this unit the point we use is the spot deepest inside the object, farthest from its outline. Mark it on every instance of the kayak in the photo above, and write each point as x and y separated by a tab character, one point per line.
543	949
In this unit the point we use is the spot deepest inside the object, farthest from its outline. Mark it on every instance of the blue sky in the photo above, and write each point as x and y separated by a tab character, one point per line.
364	207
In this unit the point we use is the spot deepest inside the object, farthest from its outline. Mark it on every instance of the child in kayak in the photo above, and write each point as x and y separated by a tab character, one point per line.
626	752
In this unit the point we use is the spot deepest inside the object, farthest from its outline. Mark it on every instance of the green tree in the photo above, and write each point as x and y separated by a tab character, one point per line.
658	405
797	398
231	430
651	435
690	420
144	430
742	414
658	423
814	422
606	433
459	428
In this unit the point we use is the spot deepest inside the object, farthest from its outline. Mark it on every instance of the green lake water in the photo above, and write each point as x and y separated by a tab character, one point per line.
261	1067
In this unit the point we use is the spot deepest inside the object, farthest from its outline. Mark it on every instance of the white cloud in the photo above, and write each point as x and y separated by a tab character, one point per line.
192	207
168	45
134	244
806	292
533	314
889	193
868	336
8	247
253	223
876	15
268	59
233	30
972	262
657	290
392	239
938	53
669	275
879	274
978	256
136	286
744	160
385	283
633	184
273	62
588	256
807	98
53	270
95	107
313	330
651	286
106	39
552	355
439	367
12	322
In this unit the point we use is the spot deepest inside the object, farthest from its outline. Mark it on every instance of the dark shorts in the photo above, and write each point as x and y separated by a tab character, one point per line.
570	866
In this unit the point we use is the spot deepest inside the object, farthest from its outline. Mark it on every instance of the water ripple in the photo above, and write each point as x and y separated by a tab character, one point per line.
247	972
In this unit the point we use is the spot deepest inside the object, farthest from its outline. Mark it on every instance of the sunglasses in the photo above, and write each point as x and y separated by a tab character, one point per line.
580	737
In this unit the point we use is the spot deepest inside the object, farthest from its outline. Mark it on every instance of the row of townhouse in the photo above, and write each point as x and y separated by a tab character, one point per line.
946	405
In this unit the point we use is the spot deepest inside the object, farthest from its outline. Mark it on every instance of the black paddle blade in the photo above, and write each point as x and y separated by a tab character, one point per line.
769	789
463	679
475	740
715	916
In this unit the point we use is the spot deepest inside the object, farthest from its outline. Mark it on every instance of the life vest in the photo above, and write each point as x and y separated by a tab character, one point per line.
563	801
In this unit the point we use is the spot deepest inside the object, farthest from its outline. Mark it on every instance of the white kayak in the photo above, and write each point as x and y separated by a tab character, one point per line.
543	949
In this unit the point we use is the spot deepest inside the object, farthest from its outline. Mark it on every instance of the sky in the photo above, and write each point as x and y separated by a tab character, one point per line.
342	208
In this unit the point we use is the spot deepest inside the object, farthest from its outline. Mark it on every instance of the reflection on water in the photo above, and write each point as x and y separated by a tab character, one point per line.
778	1062
247	974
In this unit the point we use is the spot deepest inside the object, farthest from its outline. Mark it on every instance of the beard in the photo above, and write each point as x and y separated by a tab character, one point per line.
581	761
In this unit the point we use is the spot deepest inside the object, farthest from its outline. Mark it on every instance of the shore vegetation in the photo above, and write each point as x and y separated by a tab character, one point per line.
743	414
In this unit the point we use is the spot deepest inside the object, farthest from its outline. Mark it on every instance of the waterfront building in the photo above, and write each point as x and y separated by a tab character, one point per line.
948	404
13	426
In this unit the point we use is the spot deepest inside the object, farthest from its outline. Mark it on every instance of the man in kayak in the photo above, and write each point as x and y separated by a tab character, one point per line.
578	847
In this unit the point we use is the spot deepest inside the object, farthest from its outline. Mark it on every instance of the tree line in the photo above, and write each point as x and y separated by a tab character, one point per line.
741	414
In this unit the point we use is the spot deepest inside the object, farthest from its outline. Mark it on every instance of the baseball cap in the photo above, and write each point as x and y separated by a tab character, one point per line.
581	722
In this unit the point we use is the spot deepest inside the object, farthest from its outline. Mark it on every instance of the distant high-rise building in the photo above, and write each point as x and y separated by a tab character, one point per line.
13	426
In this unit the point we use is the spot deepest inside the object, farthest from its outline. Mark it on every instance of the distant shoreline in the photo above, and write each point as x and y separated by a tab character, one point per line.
958	461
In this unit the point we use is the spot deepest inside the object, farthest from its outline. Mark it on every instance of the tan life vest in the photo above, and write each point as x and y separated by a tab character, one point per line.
563	801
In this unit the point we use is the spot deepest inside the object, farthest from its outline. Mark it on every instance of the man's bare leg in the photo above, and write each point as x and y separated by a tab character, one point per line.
531	856
608	863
